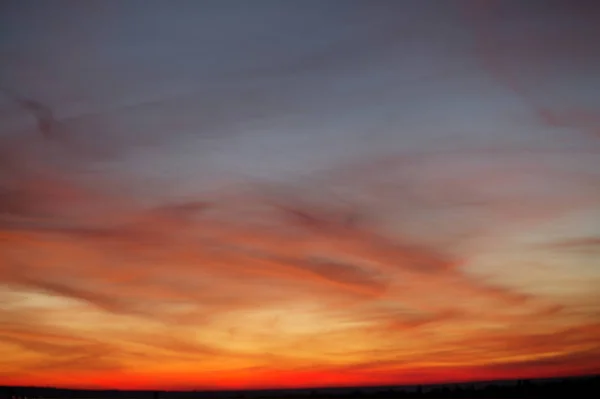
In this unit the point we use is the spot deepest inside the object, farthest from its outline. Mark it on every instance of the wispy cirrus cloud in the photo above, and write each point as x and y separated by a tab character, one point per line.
364	202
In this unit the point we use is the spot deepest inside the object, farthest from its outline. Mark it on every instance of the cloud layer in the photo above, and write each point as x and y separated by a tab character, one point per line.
206	196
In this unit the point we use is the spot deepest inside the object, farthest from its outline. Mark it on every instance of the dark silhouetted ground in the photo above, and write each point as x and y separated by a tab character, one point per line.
574	387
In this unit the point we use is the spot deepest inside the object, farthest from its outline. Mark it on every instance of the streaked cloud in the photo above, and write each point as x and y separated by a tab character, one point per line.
197	195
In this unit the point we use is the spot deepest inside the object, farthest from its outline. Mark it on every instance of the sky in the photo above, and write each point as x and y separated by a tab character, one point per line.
235	194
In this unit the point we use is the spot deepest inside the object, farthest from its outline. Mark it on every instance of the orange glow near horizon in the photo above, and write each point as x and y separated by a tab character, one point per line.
274	380
193	196
218	306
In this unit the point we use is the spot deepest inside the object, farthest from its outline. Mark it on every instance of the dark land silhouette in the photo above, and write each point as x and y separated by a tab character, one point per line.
576	387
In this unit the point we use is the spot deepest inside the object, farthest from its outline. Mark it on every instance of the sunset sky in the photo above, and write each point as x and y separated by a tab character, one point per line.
288	193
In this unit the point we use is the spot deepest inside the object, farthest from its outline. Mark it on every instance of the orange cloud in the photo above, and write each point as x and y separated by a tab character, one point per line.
175	297
350	278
